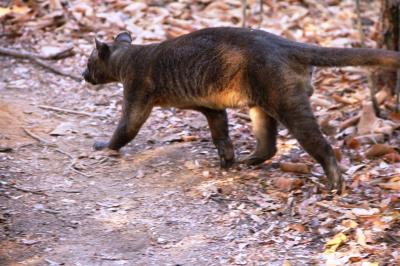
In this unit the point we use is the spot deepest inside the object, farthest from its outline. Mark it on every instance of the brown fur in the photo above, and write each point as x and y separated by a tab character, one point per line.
217	68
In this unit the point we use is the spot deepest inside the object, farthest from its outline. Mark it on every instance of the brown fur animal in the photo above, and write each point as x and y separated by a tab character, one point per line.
217	68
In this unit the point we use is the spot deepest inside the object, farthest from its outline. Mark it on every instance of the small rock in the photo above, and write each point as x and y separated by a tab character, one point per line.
161	241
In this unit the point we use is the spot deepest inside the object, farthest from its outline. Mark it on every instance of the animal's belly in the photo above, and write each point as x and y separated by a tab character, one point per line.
219	100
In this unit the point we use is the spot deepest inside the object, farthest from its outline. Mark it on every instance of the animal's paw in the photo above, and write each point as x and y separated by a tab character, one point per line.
258	157
100	145
226	163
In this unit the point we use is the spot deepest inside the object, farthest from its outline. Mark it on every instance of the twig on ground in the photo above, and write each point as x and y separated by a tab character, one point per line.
38	60
73	161
65	52
45	142
332	208
71	166
38	192
65	153
56	70
57	109
34	136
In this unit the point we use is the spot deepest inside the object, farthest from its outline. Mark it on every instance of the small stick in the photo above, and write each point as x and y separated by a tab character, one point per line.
77	171
34	136
56	70
65	153
57	109
38	192
332	208
38	60
65	52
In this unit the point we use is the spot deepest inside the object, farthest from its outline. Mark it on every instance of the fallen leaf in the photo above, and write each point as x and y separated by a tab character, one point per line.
287	183
349	224
378	150
393	157
352	143
390	185
297	227
365	212
338	154
360	237
335	242
295	168
395	116
189	138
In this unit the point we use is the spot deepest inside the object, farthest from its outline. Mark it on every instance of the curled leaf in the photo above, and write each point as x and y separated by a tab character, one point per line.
378	150
295	168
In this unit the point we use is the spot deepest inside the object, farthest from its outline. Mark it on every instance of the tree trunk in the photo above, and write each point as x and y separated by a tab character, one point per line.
388	39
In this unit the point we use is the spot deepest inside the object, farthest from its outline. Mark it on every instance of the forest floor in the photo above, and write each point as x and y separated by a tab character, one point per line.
163	200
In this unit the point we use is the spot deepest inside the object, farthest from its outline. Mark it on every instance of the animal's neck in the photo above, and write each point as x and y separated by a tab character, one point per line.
130	62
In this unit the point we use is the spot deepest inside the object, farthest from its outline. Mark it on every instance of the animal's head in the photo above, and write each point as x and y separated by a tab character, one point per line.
100	69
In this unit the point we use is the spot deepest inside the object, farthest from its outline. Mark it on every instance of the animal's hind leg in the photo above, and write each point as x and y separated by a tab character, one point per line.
265	132
218	123
296	114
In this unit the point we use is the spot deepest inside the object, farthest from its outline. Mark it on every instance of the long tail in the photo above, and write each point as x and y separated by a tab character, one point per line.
328	57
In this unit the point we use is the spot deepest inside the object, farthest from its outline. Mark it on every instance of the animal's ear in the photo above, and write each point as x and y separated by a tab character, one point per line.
103	50
123	37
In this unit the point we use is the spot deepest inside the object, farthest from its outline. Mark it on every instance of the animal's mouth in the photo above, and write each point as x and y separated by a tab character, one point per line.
88	78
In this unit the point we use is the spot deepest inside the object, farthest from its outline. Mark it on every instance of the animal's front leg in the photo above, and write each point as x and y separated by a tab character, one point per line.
128	126
218	123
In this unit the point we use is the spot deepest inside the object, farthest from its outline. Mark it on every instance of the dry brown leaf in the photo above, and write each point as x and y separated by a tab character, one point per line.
390	185
367	120
352	143
344	100
349	224
295	168
378	150
338	154
393	157
287	183
189	138
297	227
395	116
